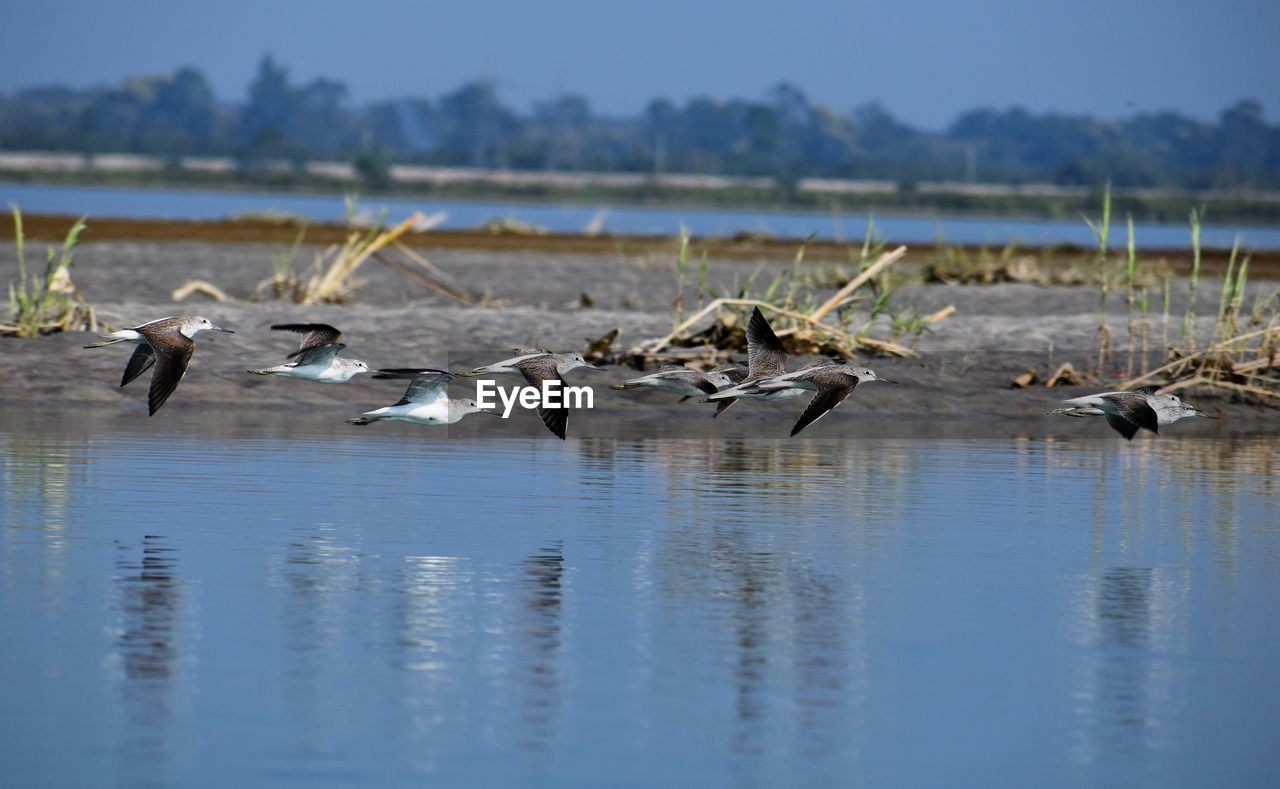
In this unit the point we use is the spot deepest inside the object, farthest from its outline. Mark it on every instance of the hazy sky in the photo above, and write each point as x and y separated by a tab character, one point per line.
925	60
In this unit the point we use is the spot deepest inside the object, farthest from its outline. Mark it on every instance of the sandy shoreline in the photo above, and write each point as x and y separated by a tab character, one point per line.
966	363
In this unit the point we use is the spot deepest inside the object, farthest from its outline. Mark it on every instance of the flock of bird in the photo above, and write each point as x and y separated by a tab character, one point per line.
168	344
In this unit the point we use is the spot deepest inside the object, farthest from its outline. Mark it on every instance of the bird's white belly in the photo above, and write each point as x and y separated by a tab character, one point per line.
333	373
327	374
774	395
436	413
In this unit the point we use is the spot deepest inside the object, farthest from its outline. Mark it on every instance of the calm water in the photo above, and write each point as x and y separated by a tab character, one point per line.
569	218
211	607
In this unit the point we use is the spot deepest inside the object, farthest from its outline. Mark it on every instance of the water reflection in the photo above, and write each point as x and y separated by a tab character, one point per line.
1123	613
39	476
538	626
321	580
320	574
437	627
755	613
149	611
1126	699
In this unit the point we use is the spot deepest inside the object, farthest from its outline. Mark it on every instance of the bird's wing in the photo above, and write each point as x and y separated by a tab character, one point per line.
830	394
173	353
536	371
314	335
141	360
1145	390
425	384
521	357
1135	409
690	377
319	355
765	354
1122	426
723	405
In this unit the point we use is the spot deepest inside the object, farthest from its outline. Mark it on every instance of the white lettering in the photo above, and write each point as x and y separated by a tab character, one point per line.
484	391
528	397
508	402
575	395
551	393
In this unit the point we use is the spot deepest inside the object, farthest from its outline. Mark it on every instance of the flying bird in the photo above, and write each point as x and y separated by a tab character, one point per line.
425	402
167	345
677	378
726	375
1132	410
833	383
536	366
766	358
317	356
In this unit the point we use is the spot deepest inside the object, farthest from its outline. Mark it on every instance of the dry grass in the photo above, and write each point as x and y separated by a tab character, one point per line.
957	265
332	275
805	325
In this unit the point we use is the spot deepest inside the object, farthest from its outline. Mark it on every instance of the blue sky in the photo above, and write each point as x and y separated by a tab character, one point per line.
925	60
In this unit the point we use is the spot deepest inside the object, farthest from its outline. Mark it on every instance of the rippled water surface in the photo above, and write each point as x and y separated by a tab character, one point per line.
205	608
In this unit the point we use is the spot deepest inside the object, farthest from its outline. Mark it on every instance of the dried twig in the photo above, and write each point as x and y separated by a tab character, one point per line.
1185	360
879	345
199	286
883	262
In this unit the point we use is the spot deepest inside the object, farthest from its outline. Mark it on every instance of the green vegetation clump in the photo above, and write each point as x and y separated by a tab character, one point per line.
1240	358
48	302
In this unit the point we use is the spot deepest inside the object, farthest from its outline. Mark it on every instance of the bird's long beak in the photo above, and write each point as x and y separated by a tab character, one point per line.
225	331
1198	412
593	367
885	380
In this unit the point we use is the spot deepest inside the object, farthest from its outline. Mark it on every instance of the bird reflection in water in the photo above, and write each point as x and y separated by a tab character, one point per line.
538	627
149	616
1124	699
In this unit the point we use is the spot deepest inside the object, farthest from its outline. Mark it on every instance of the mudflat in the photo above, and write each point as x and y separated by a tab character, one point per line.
960	384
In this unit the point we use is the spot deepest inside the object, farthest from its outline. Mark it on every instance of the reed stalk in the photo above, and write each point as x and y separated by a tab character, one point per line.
1101	230
1189	319
1130	272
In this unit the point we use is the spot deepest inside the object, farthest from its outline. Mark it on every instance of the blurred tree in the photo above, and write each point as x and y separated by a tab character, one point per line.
783	134
1245	140
474	126
263	128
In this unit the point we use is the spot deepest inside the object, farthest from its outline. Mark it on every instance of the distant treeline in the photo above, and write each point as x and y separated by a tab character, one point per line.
785	135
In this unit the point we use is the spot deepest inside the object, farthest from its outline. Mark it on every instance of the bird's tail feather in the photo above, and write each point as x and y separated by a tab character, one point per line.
104	342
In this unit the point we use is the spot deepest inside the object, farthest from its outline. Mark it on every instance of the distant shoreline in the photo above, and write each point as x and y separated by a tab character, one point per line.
1265	264
1029	201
